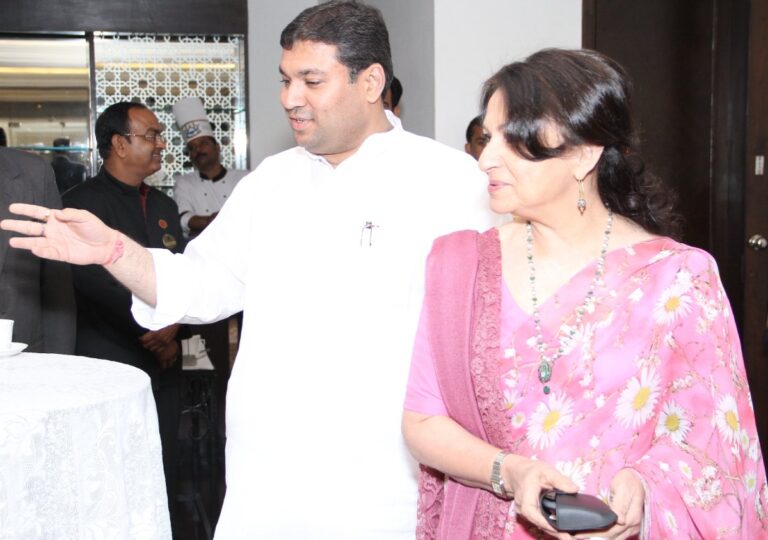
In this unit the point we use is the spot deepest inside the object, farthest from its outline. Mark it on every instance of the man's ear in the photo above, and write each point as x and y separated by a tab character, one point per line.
373	81
588	157
118	144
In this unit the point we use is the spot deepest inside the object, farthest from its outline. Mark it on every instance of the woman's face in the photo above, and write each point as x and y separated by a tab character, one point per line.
518	185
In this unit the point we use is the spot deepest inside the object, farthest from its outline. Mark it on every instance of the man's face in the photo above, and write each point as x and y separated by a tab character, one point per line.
476	143
204	152
328	113
142	156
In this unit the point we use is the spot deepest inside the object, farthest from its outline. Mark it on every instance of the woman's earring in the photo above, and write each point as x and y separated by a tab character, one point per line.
581	204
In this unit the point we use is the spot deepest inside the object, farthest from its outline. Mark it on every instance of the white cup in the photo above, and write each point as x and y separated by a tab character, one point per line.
6	333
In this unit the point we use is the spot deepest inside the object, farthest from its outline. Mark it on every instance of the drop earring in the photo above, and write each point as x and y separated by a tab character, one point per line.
581	204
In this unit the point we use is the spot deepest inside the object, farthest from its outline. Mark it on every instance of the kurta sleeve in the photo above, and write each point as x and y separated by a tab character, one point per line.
207	282
704	470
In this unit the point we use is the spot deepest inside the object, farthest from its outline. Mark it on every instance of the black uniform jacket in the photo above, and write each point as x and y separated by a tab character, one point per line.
105	327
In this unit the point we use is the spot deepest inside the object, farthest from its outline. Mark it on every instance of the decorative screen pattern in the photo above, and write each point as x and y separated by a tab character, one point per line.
160	69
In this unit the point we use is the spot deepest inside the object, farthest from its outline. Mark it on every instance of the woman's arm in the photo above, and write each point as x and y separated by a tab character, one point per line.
441	443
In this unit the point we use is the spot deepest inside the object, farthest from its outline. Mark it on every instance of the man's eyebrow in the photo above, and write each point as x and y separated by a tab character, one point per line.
304	72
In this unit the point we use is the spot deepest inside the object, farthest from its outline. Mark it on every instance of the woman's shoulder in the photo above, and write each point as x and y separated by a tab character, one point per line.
665	252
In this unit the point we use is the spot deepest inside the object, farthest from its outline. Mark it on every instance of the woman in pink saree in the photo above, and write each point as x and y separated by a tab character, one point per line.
578	347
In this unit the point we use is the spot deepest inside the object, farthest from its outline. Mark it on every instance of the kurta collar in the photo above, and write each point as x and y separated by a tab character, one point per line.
373	145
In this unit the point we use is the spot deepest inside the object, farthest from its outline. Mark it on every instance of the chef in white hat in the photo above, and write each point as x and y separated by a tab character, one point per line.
201	194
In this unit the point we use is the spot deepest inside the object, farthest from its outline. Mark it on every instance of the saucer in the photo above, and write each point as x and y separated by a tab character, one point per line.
13	350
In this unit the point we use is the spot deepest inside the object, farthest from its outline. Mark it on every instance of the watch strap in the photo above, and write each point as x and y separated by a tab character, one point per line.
497	481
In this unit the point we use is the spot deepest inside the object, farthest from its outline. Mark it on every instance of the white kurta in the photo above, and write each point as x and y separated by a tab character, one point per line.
314	449
197	196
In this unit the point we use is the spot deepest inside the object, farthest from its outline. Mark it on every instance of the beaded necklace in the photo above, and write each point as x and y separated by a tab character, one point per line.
547	362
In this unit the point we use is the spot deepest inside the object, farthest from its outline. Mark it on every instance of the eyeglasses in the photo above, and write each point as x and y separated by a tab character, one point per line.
149	136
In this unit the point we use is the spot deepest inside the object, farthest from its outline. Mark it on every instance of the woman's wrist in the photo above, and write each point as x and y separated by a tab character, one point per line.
499	485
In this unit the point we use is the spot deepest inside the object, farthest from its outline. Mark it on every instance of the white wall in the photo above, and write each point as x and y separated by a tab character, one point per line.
268	127
412	40
474	39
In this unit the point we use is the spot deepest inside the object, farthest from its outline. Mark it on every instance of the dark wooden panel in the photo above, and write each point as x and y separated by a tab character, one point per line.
153	16
688	61
756	206
665	47
728	146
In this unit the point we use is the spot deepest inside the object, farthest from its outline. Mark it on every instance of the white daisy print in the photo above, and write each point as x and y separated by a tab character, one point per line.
669	519
637	401
594	442
664	466
663	254
671	306
727	419
673	422
753	451
509	352
744	438
685	469
576	471
600	401
750	482
518	419
636	295
683	281
511	397
549	420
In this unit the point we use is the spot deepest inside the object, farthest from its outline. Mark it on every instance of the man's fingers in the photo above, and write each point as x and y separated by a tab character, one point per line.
30	243
30	228
30	210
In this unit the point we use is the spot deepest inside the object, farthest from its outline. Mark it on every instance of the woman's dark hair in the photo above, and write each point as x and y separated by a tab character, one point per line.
358	31
113	121
587	96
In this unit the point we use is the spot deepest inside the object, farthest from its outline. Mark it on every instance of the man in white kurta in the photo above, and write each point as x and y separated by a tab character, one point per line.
323	246
314	402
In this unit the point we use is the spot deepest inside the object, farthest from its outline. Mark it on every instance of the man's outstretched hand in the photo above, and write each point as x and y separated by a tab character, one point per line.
70	235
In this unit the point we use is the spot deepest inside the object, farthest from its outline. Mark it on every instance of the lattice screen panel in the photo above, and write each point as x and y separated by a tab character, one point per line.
158	70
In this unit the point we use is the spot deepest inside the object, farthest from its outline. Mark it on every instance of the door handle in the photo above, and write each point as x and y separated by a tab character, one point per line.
757	242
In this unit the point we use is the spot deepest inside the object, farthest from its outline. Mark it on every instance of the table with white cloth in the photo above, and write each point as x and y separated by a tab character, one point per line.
80	454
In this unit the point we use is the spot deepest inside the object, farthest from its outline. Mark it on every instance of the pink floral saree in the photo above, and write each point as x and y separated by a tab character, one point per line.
652	380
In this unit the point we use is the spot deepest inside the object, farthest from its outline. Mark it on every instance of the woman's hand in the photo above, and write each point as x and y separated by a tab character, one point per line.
627	501
527	479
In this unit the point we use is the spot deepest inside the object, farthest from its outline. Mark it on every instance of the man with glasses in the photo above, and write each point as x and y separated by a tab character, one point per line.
130	142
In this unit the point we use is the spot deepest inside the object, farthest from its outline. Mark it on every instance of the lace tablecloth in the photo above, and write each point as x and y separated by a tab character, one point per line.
80	454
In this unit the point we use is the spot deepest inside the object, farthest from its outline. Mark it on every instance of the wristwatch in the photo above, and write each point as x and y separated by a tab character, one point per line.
497	481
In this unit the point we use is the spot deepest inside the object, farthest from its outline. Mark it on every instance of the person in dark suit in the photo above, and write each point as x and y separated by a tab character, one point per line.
68	173
35	293
130	143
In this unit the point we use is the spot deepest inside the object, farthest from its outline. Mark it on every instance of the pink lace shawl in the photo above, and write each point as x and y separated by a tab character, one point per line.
463	298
